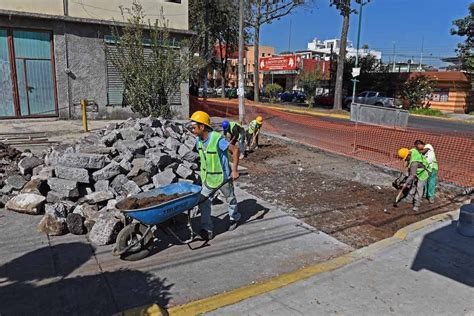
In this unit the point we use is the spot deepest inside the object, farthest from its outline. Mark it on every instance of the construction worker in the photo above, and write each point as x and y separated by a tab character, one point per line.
253	131
428	152
214	156
418	173
237	133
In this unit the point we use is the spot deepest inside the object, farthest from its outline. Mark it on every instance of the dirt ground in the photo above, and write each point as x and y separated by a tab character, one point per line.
347	199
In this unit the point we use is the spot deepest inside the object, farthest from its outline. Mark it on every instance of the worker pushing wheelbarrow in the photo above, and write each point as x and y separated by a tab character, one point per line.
216	174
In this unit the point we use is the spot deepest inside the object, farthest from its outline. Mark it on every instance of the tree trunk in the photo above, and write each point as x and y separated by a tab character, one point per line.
340	64
223	82
256	75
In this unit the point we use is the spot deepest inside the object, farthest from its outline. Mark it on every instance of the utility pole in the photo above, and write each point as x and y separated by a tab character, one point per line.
394	56
289	39
241	63
354	81
206	46
421	56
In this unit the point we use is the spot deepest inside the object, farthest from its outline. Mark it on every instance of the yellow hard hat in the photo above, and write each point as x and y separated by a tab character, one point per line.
201	117
259	120
403	153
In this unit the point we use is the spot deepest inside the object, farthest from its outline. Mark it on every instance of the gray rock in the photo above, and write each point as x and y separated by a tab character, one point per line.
156	141
45	173
160	160
36	170
148	187
110	138
191	156
80	160
126	166
88	211
66	187
159	132
80	175
75	224
133	146
118	182
150	167
163	178
27	164
183	171
172	144
172	166
170	133
130	188
101	185
56	209
137	167
130	134
94	149
190	141
28	203
183	150
53	225
108	172
105	230
99	197
148	132
16	181
150	122
55	197
6	189
142	179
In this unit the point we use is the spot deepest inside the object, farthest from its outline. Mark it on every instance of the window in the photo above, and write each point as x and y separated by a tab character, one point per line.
173	1
362	95
371	94
263	54
440	95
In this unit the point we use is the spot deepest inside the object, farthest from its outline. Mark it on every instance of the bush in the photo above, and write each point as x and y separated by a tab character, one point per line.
425	111
309	81
415	91
272	90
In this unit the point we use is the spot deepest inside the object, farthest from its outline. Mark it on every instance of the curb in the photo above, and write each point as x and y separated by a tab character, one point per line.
147	310
444	118
296	111
234	296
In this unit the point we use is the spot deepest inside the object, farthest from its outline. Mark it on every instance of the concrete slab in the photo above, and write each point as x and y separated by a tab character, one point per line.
66	275
430	273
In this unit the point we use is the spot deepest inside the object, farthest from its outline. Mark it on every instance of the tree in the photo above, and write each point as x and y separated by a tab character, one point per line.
273	89
416	90
309	81
265	12
465	27
344	8
150	62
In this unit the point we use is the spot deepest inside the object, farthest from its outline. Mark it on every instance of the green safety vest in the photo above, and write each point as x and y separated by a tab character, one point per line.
212	173
253	126
232	125
421	173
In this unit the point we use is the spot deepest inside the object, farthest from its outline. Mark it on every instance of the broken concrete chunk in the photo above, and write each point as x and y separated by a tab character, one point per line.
126	166
75	224
80	175
56	209
56	197
163	178
150	122
118	182
6	189
142	179
16	182
108	172
27	164
191	156
99	197
148	187
150	167
130	134
101	185
28	203
80	160
183	150
156	141
137	167
110	138
105	231
66	187
183	171
45	173
130	188
53	225
148	132
172	144
133	146
87	210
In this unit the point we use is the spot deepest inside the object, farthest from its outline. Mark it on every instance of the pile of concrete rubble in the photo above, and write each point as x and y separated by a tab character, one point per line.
77	187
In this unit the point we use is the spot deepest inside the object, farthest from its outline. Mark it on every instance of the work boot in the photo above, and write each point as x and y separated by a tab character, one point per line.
431	200
416	208
233	225
206	234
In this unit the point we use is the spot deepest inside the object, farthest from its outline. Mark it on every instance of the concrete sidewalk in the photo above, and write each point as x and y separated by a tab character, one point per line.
44	275
429	273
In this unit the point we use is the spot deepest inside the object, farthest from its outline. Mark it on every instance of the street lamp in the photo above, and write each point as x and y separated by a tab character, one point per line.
361	3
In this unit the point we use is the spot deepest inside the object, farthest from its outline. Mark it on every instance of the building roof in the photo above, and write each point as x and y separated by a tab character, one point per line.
443	75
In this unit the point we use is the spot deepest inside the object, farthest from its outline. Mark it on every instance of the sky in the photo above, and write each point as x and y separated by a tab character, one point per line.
405	24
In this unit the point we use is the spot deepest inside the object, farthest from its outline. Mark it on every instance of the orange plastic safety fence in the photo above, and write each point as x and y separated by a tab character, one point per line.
374	144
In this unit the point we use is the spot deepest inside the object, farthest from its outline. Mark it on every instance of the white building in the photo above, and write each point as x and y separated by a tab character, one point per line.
323	49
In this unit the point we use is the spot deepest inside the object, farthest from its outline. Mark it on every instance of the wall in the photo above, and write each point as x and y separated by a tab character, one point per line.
267	51
177	13
85	58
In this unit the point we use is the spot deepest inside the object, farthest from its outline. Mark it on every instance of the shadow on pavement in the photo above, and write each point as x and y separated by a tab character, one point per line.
447	253
40	283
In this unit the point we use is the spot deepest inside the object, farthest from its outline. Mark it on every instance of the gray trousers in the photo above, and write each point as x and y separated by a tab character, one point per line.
228	191
416	192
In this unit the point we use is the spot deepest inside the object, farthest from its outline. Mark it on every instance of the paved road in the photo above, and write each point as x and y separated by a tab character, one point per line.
430	273
438	125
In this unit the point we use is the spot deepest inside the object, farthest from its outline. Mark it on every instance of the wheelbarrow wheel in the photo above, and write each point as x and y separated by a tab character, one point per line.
130	234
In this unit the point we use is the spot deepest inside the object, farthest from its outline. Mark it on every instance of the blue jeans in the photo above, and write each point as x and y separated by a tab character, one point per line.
228	191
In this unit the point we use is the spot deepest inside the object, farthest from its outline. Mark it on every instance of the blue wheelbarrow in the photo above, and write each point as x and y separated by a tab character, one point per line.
134	241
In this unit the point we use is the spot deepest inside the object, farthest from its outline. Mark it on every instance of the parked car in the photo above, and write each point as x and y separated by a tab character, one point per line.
293	96
324	99
374	98
249	94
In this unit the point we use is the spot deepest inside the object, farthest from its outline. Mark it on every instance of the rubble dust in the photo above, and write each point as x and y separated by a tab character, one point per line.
133	203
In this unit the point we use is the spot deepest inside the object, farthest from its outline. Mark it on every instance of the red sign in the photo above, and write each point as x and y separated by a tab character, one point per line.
276	63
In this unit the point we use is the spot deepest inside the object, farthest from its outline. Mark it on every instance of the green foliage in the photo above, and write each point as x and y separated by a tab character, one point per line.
429	112
272	90
309	81
150	63
416	91
465	27
373	74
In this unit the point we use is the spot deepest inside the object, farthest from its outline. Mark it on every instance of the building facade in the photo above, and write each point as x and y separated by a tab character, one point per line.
323	49
52	55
